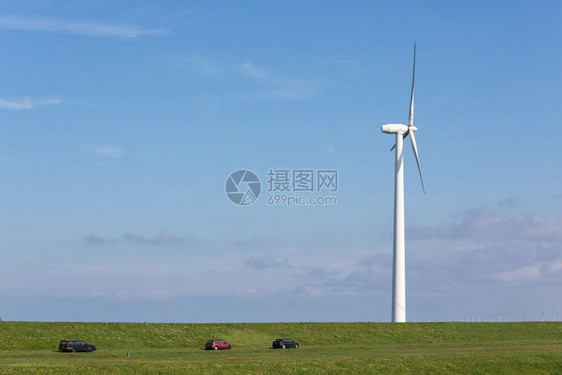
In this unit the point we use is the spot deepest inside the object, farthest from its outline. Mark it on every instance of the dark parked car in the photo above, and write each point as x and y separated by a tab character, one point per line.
75	346
284	343
217	344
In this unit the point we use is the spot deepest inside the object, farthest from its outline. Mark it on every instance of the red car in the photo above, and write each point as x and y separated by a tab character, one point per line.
217	344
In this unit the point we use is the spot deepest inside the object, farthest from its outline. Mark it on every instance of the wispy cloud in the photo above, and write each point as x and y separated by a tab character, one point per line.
250	70
108	151
509	202
209	66
94	239
267	262
489	224
543	271
487	250
281	88
272	85
79	27
161	239
28	103
292	90
529	273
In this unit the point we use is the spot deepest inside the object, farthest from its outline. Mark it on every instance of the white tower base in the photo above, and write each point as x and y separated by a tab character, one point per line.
399	263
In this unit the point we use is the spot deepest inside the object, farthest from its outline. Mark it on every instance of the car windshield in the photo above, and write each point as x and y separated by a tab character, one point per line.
210	342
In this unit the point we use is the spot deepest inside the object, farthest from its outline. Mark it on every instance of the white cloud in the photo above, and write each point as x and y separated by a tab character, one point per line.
80	27
289	89
509	202
250	70
162	238
489	224
209	66
292	90
108	151
123	294
94	239
536	272
27	103
267	262
554	267
529	273
52	101
157	294
272	85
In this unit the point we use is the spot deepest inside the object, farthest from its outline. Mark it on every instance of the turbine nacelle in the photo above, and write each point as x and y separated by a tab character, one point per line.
395	128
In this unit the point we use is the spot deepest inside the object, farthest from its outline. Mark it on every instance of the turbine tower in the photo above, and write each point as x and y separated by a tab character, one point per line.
399	261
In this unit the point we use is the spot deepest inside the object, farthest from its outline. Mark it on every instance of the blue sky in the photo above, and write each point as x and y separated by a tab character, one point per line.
113	205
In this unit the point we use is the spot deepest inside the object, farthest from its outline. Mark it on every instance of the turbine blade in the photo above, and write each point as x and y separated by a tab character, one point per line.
411	117
415	148
393	147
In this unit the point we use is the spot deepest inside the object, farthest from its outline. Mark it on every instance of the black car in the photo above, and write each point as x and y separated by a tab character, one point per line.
284	343
75	346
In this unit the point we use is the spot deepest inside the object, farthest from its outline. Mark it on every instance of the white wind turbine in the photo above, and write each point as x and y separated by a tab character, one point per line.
399	263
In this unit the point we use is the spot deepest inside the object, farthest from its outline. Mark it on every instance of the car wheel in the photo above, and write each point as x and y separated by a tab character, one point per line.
73	350
296	346
282	346
229	347
216	347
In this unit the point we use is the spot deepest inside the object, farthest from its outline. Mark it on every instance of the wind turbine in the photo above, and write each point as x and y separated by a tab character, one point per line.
399	262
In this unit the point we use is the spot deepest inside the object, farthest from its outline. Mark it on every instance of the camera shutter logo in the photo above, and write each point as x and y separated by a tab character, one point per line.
242	187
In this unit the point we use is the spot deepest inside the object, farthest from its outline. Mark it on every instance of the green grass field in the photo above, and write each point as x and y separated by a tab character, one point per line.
326	348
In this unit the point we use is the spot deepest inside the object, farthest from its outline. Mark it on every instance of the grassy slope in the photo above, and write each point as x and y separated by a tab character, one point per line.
325	348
